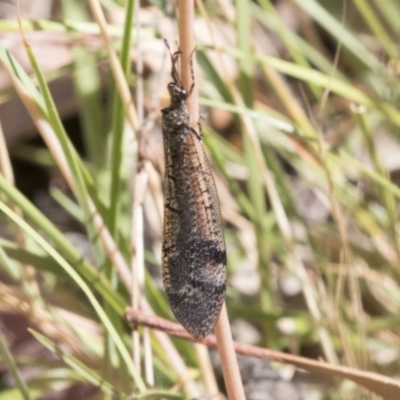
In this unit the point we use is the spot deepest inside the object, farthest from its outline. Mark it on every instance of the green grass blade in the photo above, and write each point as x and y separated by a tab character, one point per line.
377	28
72	158
340	32
312	54
118	119
87	87
87	271
117	156
243	27
87	373
10	267
84	287
291	45
13	368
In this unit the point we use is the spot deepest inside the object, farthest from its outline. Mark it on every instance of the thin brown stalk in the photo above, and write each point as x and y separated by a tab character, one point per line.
15	301
181	370
138	274
137	255
229	364
230	368
188	62
206	369
386	387
140	183
111	249
293	262
116	68
5	162
29	272
337	214
7	172
49	137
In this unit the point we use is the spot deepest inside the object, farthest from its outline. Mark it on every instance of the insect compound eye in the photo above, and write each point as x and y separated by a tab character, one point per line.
174	88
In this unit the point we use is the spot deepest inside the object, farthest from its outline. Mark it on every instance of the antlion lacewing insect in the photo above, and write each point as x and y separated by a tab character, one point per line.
194	255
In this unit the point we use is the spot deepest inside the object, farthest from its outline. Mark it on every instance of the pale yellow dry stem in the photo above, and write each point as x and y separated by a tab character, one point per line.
116	68
206	369
5	163
294	263
337	214
156	190
138	274
230	368
188	60
52	143
228	80
227	354
148	358
176	361
139	69
110	247
310	31
296	266
388	388
14	300
137	255
140	184
6	169
347	264
288	100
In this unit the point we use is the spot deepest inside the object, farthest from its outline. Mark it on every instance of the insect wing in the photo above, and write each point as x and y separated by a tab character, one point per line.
194	255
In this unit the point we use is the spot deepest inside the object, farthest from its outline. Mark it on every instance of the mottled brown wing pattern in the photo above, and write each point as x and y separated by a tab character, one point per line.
194	256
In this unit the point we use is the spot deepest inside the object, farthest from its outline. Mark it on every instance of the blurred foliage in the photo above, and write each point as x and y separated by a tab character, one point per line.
301	106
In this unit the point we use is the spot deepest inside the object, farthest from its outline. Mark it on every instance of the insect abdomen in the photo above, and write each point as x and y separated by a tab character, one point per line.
195	285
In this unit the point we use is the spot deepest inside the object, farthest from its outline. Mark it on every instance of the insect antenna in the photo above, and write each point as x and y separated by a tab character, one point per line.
174	59
192	71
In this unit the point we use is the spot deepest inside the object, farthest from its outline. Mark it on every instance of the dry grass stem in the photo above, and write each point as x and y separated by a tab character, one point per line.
301	105
230	368
384	386
119	77
137	254
14	301
176	361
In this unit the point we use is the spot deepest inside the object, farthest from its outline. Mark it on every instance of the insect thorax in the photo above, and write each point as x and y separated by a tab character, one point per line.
176	121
